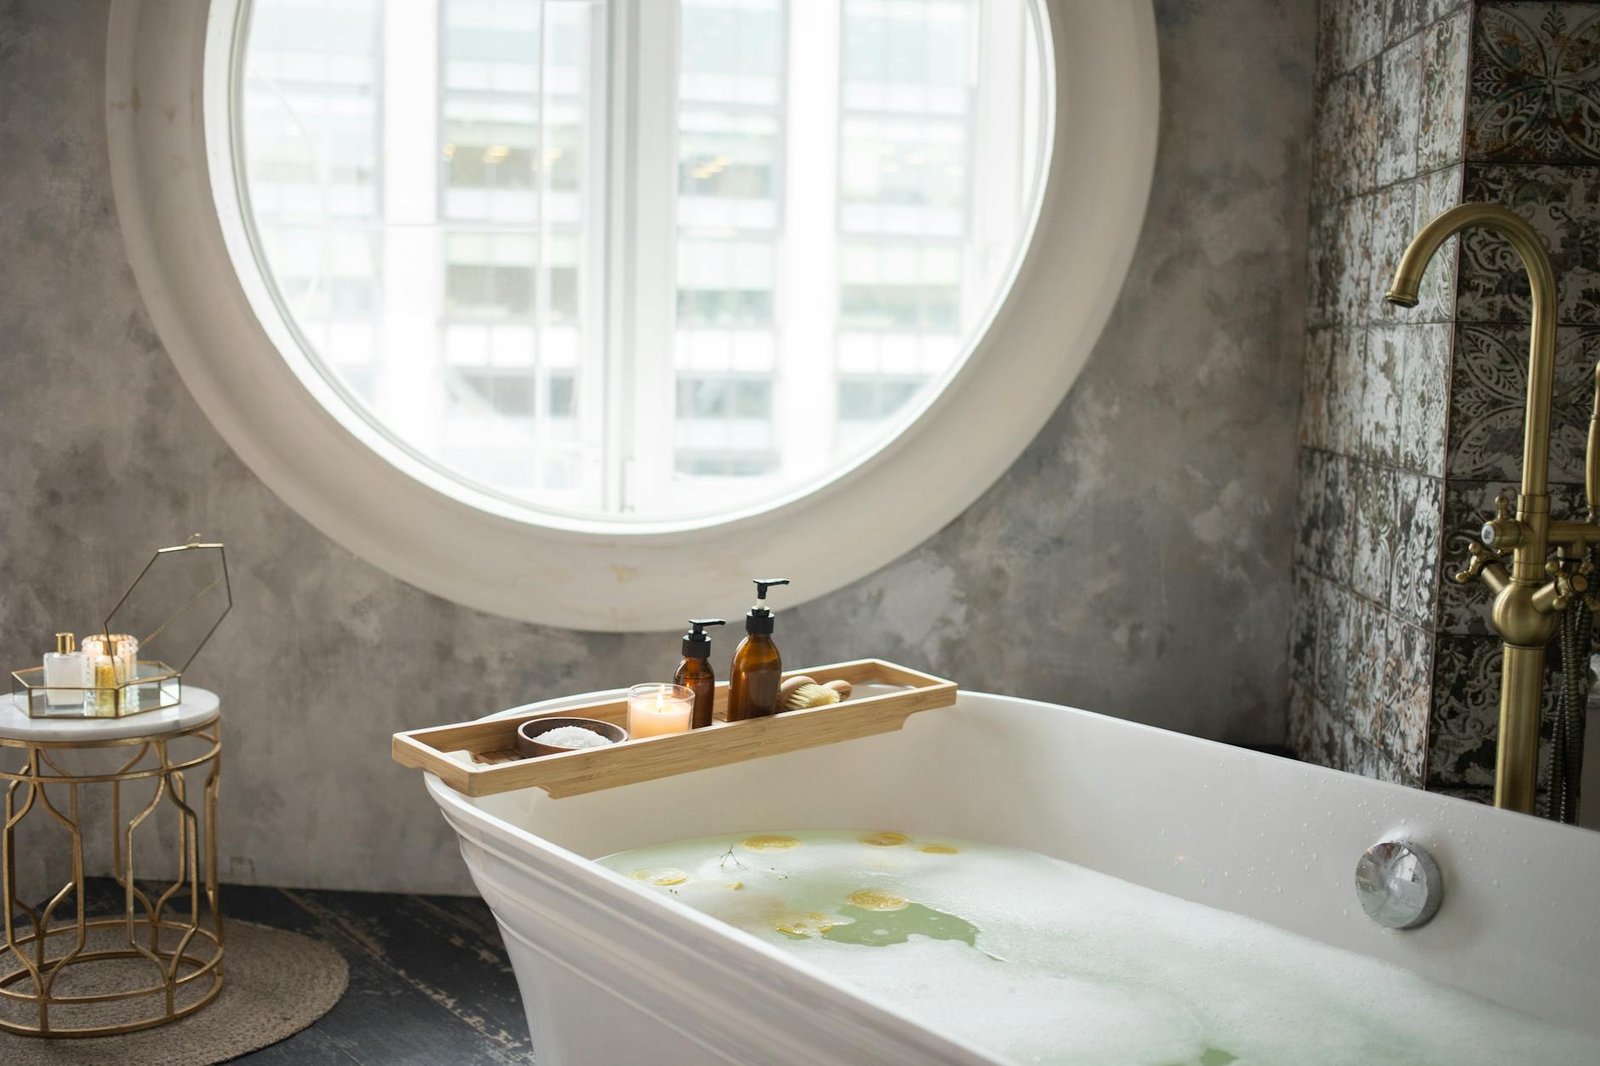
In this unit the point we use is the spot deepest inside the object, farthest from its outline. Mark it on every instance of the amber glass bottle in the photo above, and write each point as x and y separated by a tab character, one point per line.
757	666
695	672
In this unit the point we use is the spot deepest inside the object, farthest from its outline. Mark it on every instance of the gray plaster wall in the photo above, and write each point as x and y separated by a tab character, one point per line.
1135	560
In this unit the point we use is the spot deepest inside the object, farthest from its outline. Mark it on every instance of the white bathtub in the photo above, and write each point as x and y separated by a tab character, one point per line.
612	972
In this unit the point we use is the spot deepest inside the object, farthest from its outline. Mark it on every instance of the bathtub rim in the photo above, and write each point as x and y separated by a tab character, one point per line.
1455	830
738	955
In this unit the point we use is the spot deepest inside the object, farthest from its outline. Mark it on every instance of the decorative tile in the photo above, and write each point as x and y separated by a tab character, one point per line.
1333	171
1360	124
1375	533
1489	389
1314	388
1335	616
1535	94
1443	92
1364	761
1399	111
1419	507
1434	10
1483	795
1464	724
1345	149
1322	267
1309	508
1354	301
1301	722
1577	353
1338	523
1368	650
1409	680
1393	225
1563	205
1404	19
1327	152
1380	394
1362	31
1331	17
1437	192
1424	394
1320	742
1303	629
1347	382
1466	710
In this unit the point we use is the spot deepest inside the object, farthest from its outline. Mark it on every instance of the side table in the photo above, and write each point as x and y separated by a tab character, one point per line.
161	958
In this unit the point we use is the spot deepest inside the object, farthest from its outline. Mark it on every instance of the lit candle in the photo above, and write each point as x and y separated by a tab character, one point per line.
655	710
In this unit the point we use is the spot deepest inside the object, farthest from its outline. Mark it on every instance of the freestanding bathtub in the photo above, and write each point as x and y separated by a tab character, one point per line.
614	973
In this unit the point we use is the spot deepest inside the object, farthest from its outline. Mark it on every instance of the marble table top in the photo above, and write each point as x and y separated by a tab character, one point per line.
198	707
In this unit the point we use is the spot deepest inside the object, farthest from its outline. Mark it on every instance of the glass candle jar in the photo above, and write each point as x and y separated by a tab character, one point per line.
655	710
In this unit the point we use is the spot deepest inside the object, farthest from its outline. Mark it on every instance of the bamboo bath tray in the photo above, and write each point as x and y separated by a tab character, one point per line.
480	758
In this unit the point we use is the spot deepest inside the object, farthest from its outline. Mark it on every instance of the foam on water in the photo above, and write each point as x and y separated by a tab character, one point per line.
1041	961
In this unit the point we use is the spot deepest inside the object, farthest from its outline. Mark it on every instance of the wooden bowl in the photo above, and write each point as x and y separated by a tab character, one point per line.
534	727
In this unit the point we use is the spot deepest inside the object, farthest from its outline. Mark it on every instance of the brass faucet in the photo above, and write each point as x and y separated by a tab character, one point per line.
1529	598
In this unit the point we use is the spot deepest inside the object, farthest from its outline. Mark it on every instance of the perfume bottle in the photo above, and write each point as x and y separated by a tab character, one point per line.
66	673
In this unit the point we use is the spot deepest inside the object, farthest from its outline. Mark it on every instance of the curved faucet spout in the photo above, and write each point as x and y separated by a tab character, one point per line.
1526	607
1542	348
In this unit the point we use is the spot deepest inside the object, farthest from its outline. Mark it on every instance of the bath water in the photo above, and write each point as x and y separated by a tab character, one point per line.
1036	960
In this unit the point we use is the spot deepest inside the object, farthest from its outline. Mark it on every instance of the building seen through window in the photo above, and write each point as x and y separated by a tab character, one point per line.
661	292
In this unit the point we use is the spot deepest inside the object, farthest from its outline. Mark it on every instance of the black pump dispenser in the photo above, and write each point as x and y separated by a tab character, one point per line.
759	617
697	642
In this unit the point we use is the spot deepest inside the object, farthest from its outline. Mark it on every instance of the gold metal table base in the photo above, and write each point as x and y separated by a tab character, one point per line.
173	937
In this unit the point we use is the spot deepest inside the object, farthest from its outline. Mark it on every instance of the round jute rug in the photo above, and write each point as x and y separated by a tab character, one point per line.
275	984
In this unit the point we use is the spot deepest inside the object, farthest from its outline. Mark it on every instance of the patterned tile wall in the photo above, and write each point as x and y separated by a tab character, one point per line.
1411	422
1532	143
1535	83
1387	157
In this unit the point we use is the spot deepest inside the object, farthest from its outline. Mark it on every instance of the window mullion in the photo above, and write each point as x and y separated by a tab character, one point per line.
616	166
650	255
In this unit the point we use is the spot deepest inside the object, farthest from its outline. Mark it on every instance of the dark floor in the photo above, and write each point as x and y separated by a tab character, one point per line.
429	979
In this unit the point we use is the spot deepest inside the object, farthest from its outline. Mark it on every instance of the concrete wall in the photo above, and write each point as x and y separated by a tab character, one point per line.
1135	560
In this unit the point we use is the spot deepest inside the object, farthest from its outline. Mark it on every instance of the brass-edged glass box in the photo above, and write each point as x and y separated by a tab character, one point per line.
136	662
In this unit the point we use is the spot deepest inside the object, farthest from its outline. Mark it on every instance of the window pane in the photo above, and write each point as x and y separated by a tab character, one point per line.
811	235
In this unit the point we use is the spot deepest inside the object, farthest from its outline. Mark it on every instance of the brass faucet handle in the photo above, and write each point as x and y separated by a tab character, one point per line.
1502	507
1482	556
1570	585
1502	534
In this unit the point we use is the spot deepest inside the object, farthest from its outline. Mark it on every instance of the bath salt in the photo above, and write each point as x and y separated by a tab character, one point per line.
1035	960
572	736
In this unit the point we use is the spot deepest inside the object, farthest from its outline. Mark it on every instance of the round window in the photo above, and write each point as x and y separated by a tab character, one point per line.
621	286
577	310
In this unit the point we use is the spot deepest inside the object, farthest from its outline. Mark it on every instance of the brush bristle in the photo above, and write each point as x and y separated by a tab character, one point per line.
810	696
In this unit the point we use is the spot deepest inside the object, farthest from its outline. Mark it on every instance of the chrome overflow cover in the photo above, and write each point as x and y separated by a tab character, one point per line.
1399	884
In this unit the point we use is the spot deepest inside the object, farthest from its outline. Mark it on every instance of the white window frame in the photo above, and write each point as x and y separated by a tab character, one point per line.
172	159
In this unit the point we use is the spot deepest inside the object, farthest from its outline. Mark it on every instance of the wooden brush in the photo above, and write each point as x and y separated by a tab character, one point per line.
801	692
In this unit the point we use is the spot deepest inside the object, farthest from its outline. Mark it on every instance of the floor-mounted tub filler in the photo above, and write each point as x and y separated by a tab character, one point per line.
1178	902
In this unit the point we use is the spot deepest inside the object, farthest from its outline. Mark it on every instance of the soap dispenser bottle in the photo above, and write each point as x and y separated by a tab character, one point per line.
695	672
757	667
